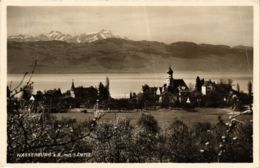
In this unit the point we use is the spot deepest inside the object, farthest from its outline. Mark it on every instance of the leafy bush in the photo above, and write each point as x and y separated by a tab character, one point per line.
179	142
113	143
44	134
122	142
146	136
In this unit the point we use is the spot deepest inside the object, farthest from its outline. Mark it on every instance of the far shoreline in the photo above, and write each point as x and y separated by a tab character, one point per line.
191	72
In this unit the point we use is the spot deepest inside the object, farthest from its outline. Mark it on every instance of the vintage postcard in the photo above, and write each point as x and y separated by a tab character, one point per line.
175	83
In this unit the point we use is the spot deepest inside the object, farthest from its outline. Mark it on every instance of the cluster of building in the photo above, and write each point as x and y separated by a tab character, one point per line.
176	92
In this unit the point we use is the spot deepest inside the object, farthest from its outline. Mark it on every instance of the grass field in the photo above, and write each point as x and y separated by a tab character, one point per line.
163	116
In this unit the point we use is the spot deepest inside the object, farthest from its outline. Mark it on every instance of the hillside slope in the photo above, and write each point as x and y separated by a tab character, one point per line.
121	55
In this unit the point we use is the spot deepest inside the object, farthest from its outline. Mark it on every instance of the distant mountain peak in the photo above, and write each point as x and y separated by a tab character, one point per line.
54	32
57	35
105	31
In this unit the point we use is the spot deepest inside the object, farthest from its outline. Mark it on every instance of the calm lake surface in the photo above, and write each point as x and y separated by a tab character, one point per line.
121	84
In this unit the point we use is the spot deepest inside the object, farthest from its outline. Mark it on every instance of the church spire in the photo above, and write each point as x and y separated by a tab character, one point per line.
170	77
170	71
72	85
72	93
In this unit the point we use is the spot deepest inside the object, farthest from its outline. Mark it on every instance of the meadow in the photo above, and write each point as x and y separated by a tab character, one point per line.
163	116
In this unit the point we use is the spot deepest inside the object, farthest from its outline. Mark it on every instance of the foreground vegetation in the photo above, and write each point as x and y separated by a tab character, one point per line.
124	142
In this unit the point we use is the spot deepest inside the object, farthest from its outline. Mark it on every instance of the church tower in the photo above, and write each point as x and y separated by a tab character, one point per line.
72	85
72	93
170	77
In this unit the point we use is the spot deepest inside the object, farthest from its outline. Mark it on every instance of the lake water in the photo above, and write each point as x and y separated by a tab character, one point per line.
121	84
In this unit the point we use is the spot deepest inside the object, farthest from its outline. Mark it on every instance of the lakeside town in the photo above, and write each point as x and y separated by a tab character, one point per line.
174	93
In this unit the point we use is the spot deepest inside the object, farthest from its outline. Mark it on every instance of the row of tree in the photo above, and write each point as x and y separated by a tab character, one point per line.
123	142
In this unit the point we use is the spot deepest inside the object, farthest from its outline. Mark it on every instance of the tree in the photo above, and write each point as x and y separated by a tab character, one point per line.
130	95
198	84
45	134
114	143
108	85
238	87
202	81
179	142
39	96
8	92
103	92
146	136
149	123
250	88
27	92
204	142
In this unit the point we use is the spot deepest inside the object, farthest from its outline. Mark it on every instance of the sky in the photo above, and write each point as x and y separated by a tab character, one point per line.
213	25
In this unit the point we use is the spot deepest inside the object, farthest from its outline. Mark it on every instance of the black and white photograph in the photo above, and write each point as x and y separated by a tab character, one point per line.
130	84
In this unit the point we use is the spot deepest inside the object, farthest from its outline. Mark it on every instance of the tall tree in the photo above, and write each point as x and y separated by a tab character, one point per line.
198	84
103	92
8	92
108	86
250	88
238	87
107	83
131	95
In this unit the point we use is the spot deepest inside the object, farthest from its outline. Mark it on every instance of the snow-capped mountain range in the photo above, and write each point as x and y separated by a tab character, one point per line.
57	35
